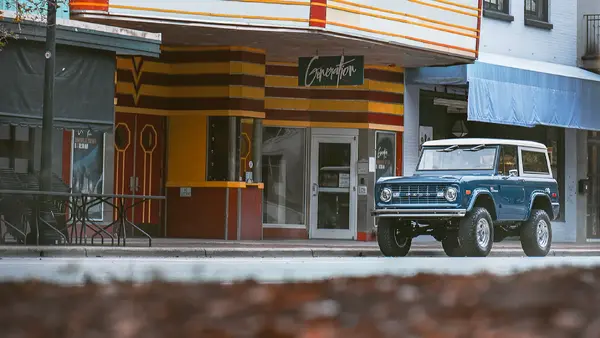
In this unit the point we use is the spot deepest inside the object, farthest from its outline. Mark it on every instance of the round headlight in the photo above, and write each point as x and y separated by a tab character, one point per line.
451	194
386	195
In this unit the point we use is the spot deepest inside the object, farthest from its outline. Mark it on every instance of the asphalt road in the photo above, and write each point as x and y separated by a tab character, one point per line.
272	270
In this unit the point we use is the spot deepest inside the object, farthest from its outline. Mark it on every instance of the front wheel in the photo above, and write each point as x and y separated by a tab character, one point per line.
536	234
451	246
476	233
391	242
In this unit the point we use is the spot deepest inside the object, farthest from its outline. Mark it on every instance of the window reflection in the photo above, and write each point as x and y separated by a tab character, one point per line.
283	175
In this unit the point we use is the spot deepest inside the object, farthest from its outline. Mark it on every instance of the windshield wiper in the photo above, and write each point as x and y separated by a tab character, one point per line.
450	148
476	148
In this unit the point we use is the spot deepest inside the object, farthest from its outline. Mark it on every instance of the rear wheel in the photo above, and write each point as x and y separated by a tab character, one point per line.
476	233
391	242
451	246
536	234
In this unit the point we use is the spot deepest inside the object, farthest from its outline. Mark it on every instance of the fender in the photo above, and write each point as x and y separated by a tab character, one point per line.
535	195
476	193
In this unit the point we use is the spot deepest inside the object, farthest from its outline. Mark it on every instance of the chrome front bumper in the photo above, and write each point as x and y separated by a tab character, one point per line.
419	213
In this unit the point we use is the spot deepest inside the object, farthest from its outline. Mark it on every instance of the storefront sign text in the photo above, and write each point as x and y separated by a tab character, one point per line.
331	71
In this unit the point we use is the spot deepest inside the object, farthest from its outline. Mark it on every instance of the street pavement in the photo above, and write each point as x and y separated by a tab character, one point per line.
192	248
74	271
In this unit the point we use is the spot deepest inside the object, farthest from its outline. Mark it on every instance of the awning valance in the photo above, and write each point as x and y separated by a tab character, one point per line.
84	86
515	91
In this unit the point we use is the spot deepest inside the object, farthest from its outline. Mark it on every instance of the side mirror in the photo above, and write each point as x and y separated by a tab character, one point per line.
513	173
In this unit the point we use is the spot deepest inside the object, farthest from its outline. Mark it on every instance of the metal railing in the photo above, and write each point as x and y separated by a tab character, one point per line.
50	217
592	45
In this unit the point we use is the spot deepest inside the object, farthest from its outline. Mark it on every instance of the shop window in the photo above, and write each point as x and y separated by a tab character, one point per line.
284	175
217	157
385	154
534	162
507	160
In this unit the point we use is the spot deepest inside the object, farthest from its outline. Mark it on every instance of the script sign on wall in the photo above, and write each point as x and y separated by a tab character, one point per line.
343	70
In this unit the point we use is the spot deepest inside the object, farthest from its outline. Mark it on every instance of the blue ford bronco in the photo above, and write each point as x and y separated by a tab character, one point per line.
468	194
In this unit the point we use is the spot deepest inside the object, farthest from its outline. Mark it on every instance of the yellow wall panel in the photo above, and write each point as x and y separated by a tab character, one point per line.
187	149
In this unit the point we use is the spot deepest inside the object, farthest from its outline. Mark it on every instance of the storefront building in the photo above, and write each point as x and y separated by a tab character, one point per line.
528	88
83	101
271	120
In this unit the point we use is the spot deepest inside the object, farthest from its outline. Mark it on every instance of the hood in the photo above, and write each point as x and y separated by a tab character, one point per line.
439	176
444	178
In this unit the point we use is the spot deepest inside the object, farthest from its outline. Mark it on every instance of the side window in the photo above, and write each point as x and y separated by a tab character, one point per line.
534	162
507	159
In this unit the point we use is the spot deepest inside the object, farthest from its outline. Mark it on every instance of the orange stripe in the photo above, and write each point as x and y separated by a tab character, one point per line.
220	15
404	14
385	17
452	3
75	6
444	8
403	37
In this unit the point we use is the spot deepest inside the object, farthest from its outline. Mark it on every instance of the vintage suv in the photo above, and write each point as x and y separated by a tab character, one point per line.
469	193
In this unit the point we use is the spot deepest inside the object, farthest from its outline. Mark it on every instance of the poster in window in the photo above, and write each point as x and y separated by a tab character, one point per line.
385	154
425	134
88	167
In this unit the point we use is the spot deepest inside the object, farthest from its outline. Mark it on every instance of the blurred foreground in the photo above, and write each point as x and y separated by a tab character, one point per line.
556	302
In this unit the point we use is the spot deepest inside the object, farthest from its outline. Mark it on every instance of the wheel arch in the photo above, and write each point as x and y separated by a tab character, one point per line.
540	201
483	198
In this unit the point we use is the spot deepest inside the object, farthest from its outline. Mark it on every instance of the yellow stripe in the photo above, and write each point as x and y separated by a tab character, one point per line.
208	184
433	43
389	18
192	91
211	48
396	69
164	112
314	124
349	3
452	3
292	82
232	67
333	105
420	2
219	15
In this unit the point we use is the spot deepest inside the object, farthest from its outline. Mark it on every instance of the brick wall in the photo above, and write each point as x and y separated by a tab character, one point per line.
557	45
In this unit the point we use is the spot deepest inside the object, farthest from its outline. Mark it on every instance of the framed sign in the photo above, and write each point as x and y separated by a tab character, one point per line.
385	154
87	167
343	70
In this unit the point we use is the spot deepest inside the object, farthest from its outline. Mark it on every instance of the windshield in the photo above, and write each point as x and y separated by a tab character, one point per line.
458	158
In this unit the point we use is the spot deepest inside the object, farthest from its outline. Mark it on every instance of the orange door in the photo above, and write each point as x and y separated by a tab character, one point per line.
149	167
124	157
139	163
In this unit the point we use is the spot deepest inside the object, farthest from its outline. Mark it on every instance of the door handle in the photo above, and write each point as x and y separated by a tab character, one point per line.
315	188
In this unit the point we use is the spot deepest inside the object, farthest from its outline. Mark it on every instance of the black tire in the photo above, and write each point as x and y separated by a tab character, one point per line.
451	246
474	223
390	243
536	234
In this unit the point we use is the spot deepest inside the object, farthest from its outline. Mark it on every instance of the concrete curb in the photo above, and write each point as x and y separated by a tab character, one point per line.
248	252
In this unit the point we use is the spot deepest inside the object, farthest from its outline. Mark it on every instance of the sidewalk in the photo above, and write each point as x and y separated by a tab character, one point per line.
192	248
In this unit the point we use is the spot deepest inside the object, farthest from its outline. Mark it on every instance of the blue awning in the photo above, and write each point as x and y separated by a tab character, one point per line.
514	91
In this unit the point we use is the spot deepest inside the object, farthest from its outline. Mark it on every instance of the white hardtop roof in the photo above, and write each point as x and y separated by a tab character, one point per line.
486	141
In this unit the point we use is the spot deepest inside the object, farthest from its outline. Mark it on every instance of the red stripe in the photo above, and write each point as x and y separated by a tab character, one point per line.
88	5
393	120
318	11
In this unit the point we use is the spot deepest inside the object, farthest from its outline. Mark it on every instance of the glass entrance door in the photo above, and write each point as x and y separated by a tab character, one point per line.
333	187
593	200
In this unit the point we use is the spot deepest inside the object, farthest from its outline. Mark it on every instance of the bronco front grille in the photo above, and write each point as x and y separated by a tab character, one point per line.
418	194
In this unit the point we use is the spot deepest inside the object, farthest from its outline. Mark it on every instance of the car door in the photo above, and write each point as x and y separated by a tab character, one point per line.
535	167
510	197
